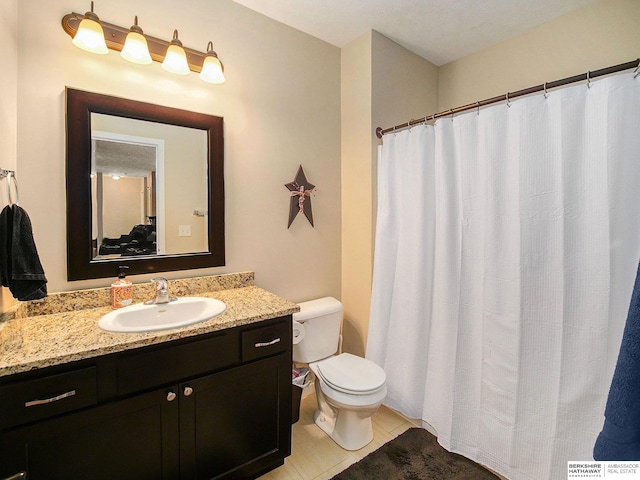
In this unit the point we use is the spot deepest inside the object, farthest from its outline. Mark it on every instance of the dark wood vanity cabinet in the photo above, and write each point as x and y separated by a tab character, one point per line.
132	438
213	406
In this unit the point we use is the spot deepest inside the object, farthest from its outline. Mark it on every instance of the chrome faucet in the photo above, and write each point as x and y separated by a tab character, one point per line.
162	294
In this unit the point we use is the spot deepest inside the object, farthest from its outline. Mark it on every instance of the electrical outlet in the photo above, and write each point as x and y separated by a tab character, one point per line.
184	230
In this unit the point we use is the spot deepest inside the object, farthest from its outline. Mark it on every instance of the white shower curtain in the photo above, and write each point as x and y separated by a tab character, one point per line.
507	243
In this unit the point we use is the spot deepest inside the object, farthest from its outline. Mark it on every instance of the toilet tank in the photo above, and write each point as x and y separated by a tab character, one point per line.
321	320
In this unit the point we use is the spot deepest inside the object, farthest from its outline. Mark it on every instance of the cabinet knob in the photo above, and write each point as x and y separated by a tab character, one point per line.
171	396
188	391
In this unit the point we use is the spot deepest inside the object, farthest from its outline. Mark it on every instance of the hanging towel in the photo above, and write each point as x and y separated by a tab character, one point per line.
20	267
620	436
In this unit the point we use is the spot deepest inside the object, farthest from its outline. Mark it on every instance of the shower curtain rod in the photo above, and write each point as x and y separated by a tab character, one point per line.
519	93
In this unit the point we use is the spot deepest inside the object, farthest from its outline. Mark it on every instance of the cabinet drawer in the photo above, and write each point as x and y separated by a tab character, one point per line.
169	364
264	341
31	400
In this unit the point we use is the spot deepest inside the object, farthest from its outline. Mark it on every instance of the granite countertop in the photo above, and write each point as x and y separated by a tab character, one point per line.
33	342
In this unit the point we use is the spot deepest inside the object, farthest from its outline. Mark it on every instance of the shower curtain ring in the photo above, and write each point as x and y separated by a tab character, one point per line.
451	112
425	120
478	107
588	79
508	101
546	94
636	72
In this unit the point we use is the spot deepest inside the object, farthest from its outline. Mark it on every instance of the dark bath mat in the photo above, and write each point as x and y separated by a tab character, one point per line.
414	455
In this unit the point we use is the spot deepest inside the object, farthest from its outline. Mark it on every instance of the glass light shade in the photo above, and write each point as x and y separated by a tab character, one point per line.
136	49
90	37
212	70
176	60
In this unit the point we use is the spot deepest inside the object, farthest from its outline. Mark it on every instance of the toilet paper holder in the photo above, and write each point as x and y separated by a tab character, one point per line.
298	332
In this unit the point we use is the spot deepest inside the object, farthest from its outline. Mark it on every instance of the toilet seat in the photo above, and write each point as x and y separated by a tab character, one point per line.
351	374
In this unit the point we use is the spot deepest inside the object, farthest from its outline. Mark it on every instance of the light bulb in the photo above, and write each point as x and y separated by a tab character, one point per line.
175	61
212	69
135	48
90	36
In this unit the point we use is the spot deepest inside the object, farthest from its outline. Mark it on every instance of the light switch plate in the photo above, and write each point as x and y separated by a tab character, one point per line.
184	230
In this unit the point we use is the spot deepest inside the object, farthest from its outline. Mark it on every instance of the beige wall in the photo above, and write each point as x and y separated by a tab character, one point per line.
382	83
123	211
357	185
281	108
8	104
600	35
8	80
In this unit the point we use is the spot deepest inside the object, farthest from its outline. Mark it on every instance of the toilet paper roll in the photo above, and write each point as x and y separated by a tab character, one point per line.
298	332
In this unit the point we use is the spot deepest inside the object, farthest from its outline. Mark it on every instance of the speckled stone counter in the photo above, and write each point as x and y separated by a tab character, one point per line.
64	327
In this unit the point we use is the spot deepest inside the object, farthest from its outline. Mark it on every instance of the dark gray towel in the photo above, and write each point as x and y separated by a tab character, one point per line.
620	436
20	267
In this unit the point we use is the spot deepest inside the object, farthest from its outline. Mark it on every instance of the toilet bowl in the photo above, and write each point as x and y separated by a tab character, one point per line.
349	389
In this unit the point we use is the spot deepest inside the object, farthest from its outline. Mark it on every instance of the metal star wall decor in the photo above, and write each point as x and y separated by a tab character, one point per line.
301	190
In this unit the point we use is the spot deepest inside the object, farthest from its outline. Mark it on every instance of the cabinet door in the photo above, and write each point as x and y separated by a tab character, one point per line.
129	439
237	423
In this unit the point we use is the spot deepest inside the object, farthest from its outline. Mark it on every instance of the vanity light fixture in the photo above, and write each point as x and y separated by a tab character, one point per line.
175	61
135	48
90	36
212	69
117	38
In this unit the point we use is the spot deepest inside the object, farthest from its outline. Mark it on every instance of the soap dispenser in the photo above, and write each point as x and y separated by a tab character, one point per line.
121	290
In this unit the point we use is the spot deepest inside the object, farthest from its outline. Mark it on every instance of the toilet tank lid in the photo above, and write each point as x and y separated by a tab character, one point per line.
316	308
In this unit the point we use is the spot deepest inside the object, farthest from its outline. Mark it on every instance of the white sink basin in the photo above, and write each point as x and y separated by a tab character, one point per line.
148	318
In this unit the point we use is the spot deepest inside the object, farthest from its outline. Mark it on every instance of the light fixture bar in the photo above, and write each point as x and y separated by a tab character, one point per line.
115	37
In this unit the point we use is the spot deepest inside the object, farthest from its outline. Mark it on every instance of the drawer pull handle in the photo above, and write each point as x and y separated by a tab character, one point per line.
171	396
44	401
188	391
268	344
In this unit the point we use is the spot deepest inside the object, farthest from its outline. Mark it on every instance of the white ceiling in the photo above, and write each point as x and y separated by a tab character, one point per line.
438	30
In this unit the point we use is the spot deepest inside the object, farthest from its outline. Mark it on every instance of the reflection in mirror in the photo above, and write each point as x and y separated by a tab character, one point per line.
149	195
124	172
145	187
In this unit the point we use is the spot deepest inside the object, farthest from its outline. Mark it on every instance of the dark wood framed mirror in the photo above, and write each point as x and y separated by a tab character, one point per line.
164	210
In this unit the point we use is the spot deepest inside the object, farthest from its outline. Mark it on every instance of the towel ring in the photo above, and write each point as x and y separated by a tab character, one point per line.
12	175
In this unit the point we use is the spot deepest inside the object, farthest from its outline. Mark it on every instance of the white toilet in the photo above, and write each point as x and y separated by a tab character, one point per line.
349	389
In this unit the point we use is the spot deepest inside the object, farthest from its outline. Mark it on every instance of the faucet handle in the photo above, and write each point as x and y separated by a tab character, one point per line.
161	283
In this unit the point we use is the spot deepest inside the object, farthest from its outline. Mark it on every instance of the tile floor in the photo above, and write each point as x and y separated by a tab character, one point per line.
314	456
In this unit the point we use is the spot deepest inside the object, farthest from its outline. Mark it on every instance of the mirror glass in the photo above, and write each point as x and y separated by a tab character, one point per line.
145	187
148	194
